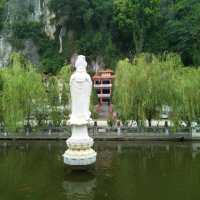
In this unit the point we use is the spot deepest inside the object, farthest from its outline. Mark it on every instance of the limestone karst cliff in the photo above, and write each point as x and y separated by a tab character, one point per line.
50	32
22	22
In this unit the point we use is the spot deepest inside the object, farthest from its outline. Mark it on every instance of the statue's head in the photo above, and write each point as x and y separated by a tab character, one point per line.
80	63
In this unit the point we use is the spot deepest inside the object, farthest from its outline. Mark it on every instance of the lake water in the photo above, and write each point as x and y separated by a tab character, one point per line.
123	171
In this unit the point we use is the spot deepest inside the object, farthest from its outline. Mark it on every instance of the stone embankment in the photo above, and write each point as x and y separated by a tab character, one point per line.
108	137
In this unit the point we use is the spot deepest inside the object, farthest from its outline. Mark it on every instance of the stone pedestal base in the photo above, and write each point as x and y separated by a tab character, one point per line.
79	157
80	152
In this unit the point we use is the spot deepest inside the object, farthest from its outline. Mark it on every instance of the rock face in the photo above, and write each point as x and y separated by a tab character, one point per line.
80	151
49	20
5	51
34	11
31	52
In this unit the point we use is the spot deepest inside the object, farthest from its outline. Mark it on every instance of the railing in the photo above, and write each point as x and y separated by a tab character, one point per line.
103	95
99	131
102	85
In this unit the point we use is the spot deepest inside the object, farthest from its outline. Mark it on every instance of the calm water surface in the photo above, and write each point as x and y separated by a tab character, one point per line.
124	171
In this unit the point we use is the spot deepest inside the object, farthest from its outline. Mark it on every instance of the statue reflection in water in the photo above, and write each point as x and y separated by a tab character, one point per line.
79	185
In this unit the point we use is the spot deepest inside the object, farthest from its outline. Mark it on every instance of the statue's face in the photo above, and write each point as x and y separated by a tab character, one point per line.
80	63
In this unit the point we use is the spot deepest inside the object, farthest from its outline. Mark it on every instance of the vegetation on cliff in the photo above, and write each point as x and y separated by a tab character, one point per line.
107	30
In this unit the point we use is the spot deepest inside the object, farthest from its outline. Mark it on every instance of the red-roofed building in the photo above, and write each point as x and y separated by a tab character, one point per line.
102	82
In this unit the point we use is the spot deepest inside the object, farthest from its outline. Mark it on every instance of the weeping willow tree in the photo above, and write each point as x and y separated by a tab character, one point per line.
23	93
93	103
64	77
188	108
54	100
144	86
1	95
123	93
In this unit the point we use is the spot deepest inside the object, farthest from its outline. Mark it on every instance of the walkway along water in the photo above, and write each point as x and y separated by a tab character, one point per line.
103	133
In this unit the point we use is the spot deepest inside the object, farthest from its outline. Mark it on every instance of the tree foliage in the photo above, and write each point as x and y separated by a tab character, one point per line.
143	86
135	17
188	107
108	29
183	30
23	93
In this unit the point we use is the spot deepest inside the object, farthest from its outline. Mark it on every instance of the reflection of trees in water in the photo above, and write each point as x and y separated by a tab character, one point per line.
195	149
130	166
162	156
106	154
104	159
146	156
141	155
79	185
4	148
111	152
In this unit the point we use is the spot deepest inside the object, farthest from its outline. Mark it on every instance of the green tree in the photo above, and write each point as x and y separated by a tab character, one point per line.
183	30
2	6
54	100
1	95
134	18
23	93
188	108
93	103
144	86
64	78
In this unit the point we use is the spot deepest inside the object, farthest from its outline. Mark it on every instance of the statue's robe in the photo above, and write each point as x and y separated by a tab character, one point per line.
80	88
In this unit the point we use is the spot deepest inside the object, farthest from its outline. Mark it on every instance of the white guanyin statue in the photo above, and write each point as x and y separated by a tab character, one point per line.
80	152
80	88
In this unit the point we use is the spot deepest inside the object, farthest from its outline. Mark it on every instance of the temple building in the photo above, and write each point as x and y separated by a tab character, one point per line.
102	82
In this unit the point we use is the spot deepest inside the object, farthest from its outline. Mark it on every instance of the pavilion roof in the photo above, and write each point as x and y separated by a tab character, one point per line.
104	74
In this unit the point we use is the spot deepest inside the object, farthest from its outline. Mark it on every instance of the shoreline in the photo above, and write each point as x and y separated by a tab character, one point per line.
127	137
